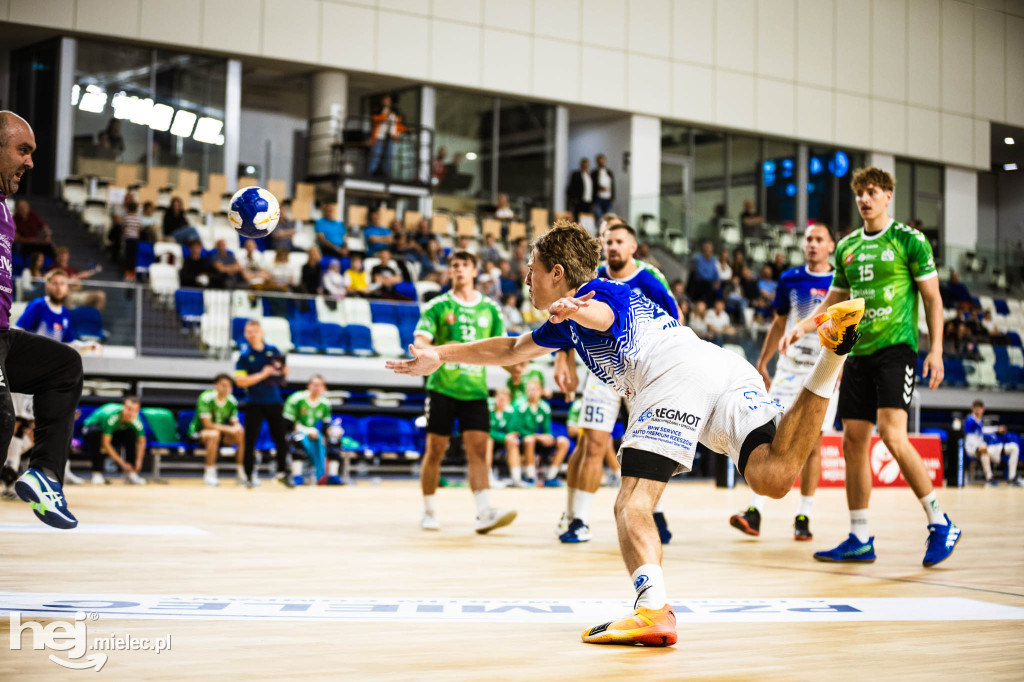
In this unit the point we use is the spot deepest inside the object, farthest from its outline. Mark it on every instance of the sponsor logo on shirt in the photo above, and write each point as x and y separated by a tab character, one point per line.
819	293
849	258
866	256
665	414
450	319
872	313
889	291
889	255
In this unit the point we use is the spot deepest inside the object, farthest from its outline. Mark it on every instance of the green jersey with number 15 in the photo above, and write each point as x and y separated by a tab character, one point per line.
446	319
884	269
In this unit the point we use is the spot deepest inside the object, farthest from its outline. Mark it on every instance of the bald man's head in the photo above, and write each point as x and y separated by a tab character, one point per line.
17	142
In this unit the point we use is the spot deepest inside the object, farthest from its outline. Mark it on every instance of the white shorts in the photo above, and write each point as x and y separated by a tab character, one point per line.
789	381
600	408
971	445
23	406
713	396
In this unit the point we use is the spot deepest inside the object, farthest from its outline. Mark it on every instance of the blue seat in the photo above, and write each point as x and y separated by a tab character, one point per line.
388	434
560	429
188	303
184	424
407	334
382	311
332	338
83	413
1002	356
353	428
1001	307
955	373
408	313
1014	338
88	324
407	289
264	443
305	335
144	257
941	433
1009	376
358	340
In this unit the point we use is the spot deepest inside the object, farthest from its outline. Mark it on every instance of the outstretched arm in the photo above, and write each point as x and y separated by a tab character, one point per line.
499	351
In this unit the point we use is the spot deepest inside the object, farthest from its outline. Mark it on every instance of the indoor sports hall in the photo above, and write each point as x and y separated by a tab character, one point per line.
235	236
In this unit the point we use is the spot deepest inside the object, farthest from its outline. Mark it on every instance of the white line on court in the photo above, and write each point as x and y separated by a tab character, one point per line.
103	529
537	611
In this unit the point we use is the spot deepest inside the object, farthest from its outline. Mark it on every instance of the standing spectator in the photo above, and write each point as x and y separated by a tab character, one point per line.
438	166
335	284
197	270
330	232
604	181
115	430
358	283
387	128
215	424
724	267
176	224
151	230
503	211
580	191
131	230
229	271
309	277
704	282
751	221
284	233
261	371
31	234
768	283
375	235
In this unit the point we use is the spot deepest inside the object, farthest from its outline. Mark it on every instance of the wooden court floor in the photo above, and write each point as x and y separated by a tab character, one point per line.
364	541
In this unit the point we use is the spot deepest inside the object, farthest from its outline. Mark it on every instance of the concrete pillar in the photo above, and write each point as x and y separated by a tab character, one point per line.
802	176
328	96
232	122
65	133
561	157
428	119
645	172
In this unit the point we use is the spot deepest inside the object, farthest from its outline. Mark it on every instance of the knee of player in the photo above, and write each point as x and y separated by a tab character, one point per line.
764	480
563	441
895	439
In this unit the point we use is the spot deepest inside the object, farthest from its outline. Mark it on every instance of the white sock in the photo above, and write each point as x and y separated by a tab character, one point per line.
428	504
859	524
581	506
14	451
552	473
240	471
649	583
210	472
517	473
1011	467
932	509
483	501
658	509
333	467
806	504
296	468
570	509
531	472
757	502
822	379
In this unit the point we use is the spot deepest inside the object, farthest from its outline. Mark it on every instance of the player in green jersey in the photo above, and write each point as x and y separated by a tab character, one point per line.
533	424
115	430
308	414
215	424
886	263
458	391
520	376
503	433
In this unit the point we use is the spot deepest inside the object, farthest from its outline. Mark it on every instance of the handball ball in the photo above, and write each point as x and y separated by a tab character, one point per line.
254	212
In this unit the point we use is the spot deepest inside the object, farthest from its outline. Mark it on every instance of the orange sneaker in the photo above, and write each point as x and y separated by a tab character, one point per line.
647	627
837	326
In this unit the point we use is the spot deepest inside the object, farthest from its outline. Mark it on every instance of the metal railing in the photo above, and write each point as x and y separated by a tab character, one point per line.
344	149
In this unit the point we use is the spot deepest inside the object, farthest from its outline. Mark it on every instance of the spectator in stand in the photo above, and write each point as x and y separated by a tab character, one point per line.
230	272
735	301
739	261
580	192
131	230
358	283
438	166
375	235
684	311
151	230
767	284
335	283
282	273
252	265
466	243
510	311
751	290
110	138
284	233
604	187
309	277
115	430
503	211
31	234
436	263
506	283
779	265
387	128
724	266
423	236
385	275
197	270
751	221
678	290
519	256
330	232
697	322
643	253
176	224
409	250
704	283
955	293
490	251
718	321
32	276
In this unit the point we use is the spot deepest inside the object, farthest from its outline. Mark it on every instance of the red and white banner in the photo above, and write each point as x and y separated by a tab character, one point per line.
885	473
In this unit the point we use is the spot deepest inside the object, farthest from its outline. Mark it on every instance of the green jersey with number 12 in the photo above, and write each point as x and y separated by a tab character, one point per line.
884	269
446	319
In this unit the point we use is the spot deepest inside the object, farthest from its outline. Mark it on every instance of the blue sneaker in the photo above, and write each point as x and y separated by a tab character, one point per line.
663	532
578	532
335	480
850	549
299	480
46	497
553	483
941	541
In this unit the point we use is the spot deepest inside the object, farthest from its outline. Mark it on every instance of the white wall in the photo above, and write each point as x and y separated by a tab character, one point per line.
259	127
961	208
911	77
609	137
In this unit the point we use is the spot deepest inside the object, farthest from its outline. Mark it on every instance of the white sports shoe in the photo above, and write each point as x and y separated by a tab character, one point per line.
97	479
211	480
429	522
134	479
494	518
70	478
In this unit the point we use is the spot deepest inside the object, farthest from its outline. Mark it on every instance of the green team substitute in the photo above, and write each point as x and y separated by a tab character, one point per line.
215	424
309	414
886	263
457	391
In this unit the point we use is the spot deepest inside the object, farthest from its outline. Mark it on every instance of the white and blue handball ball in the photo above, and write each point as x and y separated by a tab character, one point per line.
254	212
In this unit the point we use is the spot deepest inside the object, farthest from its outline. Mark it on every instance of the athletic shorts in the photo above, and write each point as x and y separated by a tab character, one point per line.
883	379
789	381
712	396
600	408
23	405
443	410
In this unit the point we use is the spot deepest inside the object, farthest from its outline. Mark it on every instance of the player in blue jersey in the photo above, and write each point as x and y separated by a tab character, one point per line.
601	404
683	390
799	292
989	444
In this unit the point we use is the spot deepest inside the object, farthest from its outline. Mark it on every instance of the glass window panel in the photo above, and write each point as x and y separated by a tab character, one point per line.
675	139
464	126
744	161
778	172
927	179
526	152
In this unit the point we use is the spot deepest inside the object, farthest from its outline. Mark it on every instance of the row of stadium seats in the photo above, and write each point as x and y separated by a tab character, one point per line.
999	367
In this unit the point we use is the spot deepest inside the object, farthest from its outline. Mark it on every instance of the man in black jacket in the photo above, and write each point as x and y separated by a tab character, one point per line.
604	188
580	192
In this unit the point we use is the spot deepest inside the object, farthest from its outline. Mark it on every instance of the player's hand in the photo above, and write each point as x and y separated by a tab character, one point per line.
565	375
424	361
763	371
789	339
562	309
933	369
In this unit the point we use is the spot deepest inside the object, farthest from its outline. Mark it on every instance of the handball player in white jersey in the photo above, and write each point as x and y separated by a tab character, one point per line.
683	390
